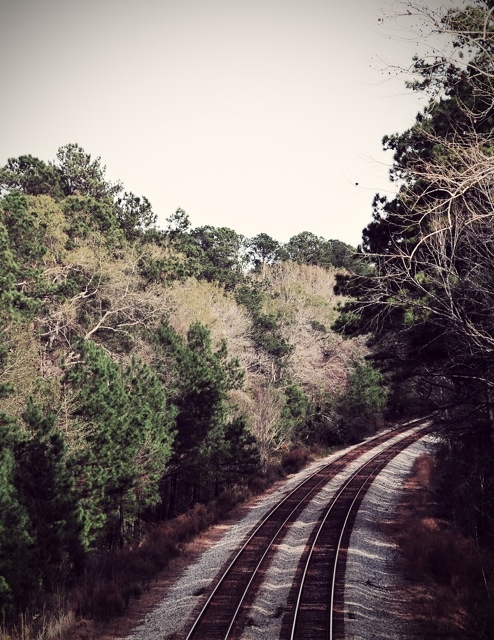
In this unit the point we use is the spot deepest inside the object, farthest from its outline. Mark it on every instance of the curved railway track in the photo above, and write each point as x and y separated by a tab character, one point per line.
317	613
222	615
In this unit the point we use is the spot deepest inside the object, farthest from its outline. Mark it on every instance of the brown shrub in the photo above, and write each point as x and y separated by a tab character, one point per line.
437	554
229	499
107	602
258	484
423	469
80	630
294	460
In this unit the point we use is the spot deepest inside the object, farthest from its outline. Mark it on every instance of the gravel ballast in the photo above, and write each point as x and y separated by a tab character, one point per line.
376	598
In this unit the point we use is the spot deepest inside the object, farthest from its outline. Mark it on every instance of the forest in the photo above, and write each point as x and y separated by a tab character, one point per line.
146	371
151	378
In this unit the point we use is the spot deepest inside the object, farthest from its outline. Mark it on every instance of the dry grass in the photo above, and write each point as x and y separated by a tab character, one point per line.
295	459
441	563
112	580
54	623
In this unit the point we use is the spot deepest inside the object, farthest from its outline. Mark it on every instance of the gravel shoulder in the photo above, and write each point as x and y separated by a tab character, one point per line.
378	599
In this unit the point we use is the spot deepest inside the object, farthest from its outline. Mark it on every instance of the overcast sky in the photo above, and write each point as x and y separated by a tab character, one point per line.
258	115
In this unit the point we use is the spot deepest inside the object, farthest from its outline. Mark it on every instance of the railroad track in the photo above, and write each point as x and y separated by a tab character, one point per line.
316	602
222	615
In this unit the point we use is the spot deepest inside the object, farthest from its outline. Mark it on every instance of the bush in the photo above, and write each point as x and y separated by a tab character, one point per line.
294	460
107	602
359	410
436	553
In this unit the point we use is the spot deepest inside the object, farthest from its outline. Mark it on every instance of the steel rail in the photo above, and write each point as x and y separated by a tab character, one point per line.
370	476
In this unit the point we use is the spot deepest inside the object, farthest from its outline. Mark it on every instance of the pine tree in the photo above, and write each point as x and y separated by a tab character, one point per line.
21	249
46	489
152	423
203	378
126	439
359	409
31	176
17	548
101	463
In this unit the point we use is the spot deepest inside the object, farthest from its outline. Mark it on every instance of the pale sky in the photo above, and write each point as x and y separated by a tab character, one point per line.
258	115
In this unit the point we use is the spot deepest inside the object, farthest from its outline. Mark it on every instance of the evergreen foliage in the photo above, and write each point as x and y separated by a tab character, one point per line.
359	410
207	437
297	410
86	215
262	249
31	176
23	249
124	444
8	268
17	549
134	215
307	248
266	330
46	489
219	256
82	176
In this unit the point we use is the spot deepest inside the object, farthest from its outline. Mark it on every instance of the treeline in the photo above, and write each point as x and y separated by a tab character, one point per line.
428	301
144	370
